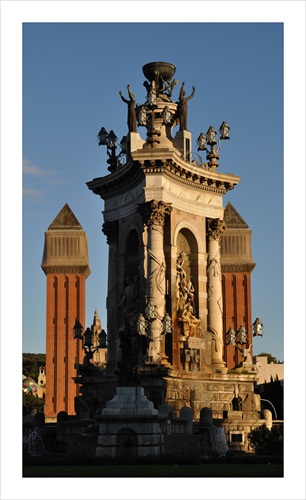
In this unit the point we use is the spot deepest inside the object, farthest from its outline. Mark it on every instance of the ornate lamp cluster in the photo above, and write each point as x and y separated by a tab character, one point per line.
143	328
87	339
211	140
143	321
109	139
257	328
237	338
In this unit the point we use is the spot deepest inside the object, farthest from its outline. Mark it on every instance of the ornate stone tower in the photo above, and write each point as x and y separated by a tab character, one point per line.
164	219
237	265
65	263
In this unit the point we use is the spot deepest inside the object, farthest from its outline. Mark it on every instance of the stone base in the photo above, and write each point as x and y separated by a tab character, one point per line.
129	427
129	401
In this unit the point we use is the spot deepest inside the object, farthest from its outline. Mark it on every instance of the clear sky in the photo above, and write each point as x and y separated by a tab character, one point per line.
53	103
72	74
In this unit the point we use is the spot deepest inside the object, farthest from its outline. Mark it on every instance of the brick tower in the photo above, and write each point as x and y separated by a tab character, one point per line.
66	265
237	265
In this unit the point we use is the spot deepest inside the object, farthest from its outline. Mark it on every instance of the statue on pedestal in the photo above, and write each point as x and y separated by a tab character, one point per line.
182	107
131	110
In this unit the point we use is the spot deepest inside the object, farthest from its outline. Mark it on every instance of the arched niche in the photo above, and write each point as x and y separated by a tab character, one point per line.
126	443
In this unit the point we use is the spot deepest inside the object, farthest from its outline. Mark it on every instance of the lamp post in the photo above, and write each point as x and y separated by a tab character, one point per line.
211	138
109	140
87	341
257	328
238	339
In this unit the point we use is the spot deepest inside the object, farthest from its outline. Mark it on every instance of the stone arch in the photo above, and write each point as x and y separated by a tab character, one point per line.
126	443
186	226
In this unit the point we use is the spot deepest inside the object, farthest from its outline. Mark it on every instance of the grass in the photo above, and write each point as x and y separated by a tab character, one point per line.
149	470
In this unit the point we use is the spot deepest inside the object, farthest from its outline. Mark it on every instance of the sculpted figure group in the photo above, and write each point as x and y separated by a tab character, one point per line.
158	88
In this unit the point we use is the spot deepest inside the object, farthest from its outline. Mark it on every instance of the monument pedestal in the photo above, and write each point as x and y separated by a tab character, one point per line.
128	426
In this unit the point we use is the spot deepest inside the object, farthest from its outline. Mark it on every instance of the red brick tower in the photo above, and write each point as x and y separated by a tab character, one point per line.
66	265
237	265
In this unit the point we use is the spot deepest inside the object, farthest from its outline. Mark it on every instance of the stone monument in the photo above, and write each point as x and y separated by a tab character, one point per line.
163	219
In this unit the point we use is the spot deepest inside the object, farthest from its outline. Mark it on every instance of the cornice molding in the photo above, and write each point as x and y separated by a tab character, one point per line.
120	181
237	268
161	162
84	270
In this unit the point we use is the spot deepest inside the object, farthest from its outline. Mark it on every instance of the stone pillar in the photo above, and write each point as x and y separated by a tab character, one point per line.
110	229
154	213
215	228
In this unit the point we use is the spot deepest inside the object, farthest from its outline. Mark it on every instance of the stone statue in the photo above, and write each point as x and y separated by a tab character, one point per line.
102	339
182	106
247	356
168	88
167	115
130	299
131	110
185	289
128	364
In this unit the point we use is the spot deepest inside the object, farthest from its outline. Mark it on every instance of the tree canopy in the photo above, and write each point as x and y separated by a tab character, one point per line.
31	364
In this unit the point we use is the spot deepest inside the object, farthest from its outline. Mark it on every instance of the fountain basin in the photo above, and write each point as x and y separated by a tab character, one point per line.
163	69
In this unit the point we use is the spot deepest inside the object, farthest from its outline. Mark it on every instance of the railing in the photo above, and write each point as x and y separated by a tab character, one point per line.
191	157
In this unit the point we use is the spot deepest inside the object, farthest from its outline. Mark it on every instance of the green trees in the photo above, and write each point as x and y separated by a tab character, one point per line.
31	364
30	368
32	404
267	442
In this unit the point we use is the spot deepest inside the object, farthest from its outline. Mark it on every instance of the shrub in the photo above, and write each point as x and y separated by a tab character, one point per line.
267	442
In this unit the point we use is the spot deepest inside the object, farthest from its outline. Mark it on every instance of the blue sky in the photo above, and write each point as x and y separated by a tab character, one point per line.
71	81
72	74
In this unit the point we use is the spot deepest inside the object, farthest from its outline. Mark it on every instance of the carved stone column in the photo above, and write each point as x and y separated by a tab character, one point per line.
154	213
110	229
215	228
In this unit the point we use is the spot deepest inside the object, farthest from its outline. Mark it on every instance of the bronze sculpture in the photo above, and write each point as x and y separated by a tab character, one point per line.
182	107
131	121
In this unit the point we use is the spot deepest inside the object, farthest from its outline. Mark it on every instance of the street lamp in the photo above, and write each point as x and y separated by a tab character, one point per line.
143	323
211	138
235	338
257	328
239	340
78	330
109	140
87	339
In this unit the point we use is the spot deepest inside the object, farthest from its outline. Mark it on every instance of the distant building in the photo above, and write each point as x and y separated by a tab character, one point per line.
99	357
42	377
268	372
270	386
